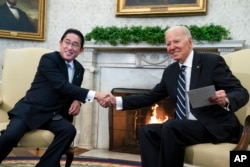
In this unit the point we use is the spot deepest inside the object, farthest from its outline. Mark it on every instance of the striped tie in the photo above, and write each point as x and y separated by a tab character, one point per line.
181	90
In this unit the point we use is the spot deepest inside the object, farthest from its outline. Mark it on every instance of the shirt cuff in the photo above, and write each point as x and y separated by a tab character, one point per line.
119	105
227	105
90	96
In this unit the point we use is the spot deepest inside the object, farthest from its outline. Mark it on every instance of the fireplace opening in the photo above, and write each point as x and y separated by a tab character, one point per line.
124	125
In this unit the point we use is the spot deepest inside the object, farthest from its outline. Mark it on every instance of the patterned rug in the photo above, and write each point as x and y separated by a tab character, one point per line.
77	162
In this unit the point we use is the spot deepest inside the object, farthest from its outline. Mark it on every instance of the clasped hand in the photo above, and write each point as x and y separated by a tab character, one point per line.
105	99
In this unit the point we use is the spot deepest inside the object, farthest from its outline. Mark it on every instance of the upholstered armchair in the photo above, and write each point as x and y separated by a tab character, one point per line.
217	155
19	67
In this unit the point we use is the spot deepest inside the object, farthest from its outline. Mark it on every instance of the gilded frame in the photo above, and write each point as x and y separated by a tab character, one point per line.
35	10
160	7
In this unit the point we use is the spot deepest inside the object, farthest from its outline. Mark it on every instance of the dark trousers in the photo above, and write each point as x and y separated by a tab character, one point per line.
64	133
163	145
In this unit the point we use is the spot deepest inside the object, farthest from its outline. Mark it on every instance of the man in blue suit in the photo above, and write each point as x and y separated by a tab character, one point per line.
163	145
14	19
52	100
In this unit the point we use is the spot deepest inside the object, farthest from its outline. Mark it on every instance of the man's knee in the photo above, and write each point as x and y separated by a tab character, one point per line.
150	130
70	130
172	123
73	130
143	131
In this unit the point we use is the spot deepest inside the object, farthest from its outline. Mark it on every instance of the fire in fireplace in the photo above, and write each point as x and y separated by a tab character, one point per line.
124	125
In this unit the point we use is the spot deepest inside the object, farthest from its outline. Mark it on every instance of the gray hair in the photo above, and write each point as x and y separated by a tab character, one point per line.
183	28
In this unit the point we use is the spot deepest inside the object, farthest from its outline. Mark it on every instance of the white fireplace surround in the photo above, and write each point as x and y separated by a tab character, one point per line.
130	66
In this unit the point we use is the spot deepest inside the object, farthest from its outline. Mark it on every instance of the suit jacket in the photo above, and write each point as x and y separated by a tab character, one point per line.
9	22
207	69
50	92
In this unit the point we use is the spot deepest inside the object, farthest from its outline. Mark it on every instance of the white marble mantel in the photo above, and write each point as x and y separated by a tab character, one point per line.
130	66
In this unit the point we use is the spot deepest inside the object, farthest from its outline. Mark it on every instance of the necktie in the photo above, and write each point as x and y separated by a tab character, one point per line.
181	91
70	72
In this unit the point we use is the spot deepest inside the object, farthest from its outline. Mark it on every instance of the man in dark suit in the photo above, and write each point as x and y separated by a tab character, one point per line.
13	18
51	102
163	145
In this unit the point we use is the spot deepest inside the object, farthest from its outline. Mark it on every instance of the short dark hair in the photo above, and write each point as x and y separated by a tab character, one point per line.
74	31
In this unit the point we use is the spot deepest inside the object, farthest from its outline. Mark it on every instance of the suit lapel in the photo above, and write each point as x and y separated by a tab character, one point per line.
9	15
77	75
62	65
196	69
176	76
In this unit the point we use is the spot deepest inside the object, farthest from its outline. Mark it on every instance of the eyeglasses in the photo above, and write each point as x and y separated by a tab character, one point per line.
74	45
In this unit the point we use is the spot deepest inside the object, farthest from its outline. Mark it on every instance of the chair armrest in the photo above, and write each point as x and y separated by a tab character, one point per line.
245	137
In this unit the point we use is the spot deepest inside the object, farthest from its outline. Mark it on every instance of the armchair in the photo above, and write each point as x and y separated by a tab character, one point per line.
19	68
211	155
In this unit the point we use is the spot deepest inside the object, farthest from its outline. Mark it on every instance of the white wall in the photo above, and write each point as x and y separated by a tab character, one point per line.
84	15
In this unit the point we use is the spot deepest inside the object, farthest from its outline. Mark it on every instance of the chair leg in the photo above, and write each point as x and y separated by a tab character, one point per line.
69	156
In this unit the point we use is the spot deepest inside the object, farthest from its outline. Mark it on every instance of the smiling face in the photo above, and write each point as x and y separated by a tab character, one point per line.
179	43
70	46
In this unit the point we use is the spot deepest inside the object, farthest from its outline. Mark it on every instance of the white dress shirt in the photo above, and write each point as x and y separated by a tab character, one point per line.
14	11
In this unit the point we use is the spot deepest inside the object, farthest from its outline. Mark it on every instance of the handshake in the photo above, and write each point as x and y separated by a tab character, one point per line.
105	99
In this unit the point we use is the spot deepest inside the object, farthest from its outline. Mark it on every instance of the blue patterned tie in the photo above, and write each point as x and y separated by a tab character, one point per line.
181	91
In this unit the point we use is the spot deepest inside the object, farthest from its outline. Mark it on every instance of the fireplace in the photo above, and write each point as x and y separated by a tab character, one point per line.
124	66
124	125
